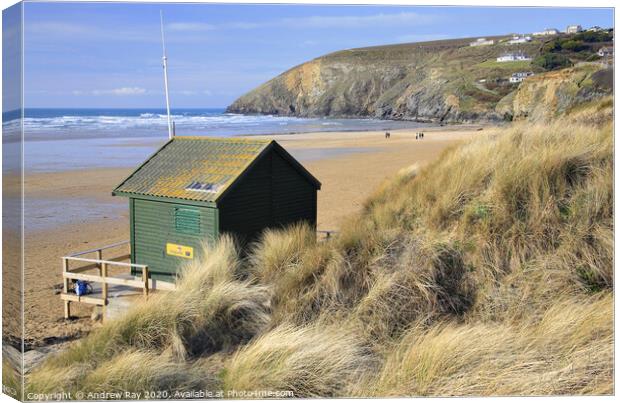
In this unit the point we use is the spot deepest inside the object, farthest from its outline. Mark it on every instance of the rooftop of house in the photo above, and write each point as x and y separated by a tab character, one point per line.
198	168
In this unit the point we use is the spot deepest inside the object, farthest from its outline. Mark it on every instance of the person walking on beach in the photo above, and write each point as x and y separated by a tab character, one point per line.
387	135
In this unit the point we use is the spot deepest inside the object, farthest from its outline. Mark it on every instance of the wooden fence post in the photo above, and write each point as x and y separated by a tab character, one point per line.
104	288
104	285
145	279
65	287
99	257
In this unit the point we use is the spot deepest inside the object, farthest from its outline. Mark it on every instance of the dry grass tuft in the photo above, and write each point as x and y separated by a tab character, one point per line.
11	379
568	352
309	361
428	281
280	251
140	371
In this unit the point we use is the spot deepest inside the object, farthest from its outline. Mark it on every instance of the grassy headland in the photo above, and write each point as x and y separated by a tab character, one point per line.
487	272
439	81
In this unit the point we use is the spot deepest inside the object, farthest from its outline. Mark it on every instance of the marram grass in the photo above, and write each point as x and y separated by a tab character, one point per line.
487	272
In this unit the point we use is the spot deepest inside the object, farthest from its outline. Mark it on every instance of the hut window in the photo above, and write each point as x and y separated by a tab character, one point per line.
187	220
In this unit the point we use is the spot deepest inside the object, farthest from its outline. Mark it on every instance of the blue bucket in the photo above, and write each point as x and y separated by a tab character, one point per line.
82	288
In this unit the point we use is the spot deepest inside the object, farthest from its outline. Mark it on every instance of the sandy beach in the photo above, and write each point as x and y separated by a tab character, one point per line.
350	166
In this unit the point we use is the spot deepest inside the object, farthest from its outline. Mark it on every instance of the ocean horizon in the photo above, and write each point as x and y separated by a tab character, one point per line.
41	124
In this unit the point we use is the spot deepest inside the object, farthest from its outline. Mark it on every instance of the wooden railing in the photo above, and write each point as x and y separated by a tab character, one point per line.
104	277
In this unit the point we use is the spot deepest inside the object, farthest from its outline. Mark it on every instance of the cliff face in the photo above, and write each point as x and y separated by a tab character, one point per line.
441	81
546	96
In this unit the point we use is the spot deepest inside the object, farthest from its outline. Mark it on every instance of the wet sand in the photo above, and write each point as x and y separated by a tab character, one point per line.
350	166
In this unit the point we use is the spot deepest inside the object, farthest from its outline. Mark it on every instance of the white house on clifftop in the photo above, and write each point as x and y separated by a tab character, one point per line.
513	57
573	29
519	39
520	76
547	32
482	42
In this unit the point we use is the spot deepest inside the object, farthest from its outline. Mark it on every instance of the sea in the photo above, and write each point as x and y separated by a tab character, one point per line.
68	139
61	123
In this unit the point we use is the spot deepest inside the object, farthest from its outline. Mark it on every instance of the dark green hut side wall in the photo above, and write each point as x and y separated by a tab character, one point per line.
153	225
272	194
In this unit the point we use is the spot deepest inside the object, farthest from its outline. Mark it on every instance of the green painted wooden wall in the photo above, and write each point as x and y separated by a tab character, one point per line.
272	194
154	224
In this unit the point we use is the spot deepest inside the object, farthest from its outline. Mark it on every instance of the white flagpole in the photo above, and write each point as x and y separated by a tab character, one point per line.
165	60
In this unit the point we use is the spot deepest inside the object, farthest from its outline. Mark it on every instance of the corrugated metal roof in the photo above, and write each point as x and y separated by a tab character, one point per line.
193	168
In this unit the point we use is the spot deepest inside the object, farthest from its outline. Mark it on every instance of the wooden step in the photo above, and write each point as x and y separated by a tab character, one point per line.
85	298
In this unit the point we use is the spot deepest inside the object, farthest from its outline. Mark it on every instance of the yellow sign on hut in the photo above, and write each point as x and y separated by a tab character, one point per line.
179	250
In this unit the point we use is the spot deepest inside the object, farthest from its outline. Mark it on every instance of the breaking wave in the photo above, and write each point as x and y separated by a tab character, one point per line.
76	123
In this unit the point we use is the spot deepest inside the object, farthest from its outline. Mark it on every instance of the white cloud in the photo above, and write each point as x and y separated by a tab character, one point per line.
56	27
123	91
245	25
317	21
355	21
47	31
190	26
185	92
187	26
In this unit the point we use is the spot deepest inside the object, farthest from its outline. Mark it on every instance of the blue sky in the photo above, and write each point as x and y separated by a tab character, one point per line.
109	55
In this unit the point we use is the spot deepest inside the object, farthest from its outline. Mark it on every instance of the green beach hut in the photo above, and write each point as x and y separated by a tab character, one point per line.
195	188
